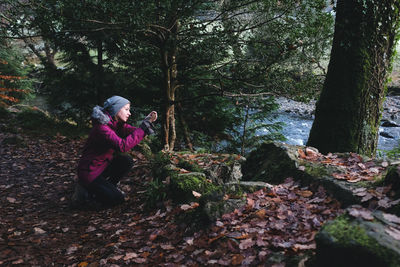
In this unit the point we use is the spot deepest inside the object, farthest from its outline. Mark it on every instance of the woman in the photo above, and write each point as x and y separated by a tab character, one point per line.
102	165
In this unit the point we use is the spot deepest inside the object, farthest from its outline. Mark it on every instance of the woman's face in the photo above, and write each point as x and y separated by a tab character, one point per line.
124	113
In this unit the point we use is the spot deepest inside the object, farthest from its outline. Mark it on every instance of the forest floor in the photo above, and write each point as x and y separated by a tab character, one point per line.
39	228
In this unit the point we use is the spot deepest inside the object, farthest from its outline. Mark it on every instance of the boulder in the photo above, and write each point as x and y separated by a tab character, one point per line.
226	172
368	239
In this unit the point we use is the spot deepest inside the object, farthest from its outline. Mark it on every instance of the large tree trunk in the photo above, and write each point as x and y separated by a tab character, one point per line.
350	106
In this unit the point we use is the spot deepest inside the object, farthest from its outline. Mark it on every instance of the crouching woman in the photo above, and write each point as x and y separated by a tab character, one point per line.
102	165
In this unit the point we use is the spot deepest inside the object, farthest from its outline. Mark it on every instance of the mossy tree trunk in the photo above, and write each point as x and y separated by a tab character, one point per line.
350	106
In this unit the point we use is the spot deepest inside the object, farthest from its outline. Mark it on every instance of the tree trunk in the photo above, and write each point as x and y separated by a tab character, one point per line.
244	133
349	109
186	135
170	84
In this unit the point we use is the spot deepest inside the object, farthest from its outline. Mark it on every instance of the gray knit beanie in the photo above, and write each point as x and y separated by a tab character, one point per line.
114	104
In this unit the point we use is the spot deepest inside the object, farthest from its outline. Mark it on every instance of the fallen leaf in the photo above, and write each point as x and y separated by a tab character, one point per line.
354	180
167	247
393	232
39	230
237	259
302	155
211	240
367	197
83	264
391	218
384	203
185	207
261	213
19	261
139	260
246	243
305	247
117	257
72	249
339	176
130	255
305	193
11	199
311	153
196	194
361	213
250	203
374	170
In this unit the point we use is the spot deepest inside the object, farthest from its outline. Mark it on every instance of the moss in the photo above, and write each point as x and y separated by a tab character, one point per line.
346	234
190	166
315	170
182	187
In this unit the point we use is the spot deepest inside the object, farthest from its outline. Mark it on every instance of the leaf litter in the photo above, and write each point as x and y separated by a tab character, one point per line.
39	228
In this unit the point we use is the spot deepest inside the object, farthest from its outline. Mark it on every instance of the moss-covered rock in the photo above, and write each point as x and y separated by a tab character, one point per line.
348	241
246	186
183	185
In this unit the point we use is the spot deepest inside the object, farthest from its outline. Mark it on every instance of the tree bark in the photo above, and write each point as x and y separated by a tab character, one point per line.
170	84
350	105
186	134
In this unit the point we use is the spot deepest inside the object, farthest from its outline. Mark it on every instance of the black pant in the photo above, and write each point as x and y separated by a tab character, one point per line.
104	187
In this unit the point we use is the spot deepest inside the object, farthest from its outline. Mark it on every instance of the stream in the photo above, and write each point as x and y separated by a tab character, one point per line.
297	119
297	128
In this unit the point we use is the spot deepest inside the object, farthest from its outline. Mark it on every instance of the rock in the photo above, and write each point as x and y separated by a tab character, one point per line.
225	173
215	209
349	241
387	123
246	186
385	134
271	163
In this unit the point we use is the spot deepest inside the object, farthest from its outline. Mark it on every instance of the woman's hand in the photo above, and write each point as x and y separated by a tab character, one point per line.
152	117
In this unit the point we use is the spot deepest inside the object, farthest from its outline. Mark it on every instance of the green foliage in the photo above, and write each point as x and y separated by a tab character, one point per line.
156	192
190	166
158	165
251	126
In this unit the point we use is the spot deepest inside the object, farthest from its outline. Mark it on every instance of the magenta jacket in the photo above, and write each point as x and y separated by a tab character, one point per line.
106	137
